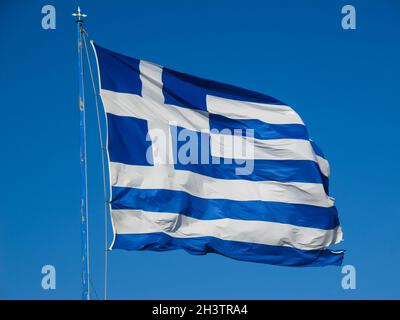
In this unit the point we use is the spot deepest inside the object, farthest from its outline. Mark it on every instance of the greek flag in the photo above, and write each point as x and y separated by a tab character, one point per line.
208	167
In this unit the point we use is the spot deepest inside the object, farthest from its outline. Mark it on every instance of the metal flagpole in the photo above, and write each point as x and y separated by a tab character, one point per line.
84	211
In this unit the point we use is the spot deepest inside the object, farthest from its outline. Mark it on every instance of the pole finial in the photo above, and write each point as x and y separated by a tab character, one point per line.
79	15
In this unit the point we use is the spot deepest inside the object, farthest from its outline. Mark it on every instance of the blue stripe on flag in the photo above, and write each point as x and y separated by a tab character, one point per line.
244	251
161	200
189	91
261	129
180	92
264	170
127	140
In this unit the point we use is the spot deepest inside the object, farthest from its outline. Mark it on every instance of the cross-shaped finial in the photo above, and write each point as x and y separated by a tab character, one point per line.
79	15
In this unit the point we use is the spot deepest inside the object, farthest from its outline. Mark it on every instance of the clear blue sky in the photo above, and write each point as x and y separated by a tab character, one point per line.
344	84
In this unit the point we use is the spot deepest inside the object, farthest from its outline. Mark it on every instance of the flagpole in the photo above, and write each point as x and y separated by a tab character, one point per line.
82	125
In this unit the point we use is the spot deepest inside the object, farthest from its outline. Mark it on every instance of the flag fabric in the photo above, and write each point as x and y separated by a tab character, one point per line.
209	167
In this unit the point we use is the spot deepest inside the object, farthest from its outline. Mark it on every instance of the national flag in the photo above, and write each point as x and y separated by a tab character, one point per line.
207	167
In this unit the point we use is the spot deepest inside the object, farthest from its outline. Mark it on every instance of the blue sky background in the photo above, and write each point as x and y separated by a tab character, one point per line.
344	84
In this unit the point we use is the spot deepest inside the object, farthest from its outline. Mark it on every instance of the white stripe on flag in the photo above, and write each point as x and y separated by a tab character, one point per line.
323	165
260	232
236	147
153	177
236	109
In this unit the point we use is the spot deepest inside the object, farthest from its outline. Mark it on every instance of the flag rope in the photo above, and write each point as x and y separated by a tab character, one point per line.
102	164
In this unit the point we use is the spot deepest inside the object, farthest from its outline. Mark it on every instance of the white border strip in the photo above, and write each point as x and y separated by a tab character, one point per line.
108	155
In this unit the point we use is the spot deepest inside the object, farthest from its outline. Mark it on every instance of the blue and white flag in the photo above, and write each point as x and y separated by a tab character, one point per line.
209	167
